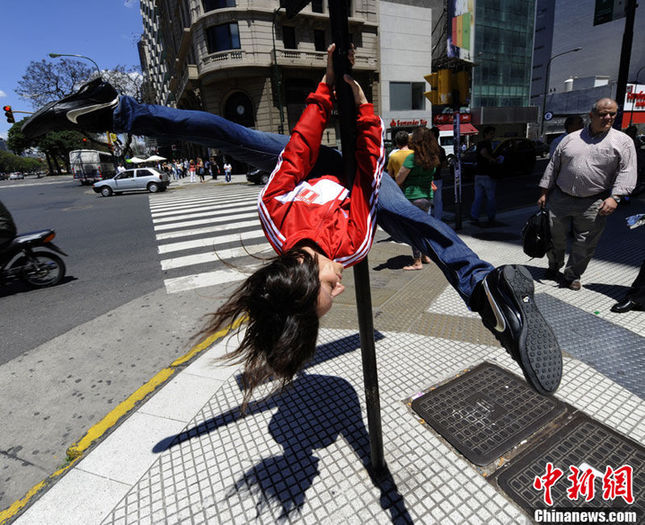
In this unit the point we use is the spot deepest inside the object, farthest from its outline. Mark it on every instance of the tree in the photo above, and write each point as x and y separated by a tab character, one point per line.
46	81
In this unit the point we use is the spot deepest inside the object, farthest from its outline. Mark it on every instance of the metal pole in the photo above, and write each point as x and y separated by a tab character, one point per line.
276	73
338	17
631	113
625	58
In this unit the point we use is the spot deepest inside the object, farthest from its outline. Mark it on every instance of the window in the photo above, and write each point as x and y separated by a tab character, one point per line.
223	37
289	37
406	96
317	6
319	40
128	174
144	173
211	5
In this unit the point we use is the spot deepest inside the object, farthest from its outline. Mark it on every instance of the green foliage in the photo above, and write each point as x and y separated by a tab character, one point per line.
10	162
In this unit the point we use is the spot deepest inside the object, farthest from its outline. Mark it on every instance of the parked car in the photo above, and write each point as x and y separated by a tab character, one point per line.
16	175
258	176
133	180
518	156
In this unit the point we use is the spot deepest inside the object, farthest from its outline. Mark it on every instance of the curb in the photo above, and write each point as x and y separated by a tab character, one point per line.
75	452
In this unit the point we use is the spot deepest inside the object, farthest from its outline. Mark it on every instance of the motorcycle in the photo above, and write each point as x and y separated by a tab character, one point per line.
24	259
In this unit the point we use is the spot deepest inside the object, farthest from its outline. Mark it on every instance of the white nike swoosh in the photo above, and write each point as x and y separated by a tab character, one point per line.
499	317
73	114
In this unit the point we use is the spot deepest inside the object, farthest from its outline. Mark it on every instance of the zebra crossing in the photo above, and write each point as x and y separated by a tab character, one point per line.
208	238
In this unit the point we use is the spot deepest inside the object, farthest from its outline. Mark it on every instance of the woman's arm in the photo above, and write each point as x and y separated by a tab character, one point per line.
402	175
370	162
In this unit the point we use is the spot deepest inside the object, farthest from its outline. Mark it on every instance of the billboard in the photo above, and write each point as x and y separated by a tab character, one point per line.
461	29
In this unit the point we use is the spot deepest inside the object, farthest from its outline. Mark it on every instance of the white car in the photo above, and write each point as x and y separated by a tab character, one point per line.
15	176
136	179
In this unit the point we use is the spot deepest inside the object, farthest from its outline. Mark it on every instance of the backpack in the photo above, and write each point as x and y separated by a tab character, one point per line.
536	234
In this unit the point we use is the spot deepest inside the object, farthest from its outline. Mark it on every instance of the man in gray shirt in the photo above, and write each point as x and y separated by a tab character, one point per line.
589	172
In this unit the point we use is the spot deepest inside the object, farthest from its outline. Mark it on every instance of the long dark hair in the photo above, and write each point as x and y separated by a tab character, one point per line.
279	304
425	147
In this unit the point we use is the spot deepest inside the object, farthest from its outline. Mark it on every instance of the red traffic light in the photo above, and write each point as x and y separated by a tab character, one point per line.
84	139
9	114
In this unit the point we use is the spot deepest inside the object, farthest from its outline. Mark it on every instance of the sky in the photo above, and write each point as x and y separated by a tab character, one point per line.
107	31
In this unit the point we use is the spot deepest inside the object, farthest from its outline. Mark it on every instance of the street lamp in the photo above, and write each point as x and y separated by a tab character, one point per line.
631	113
276	72
56	55
546	84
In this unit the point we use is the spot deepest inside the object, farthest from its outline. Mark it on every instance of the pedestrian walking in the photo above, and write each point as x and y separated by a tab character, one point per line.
590	171
305	207
571	123
398	155
485	182
635	297
227	171
415	179
437	195
192	170
214	168
201	170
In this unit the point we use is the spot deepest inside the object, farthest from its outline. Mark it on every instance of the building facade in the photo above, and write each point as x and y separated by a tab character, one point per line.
405	57
244	60
151	56
576	79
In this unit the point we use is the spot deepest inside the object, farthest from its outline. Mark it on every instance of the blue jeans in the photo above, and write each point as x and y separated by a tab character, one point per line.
484	185
395	214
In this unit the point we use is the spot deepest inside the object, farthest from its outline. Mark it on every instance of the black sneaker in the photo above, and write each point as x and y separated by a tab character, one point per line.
89	109
510	313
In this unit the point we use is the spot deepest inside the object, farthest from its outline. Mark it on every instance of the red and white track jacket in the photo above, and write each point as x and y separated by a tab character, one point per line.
293	209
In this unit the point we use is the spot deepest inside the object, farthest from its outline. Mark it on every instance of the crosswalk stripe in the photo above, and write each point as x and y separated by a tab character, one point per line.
210	242
191	209
207	229
201	225
265	252
212	213
182	202
198	222
201	280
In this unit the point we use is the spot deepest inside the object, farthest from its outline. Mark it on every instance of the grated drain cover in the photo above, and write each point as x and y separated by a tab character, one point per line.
486	412
582	443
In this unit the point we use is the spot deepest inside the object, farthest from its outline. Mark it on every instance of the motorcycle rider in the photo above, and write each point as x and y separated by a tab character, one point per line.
8	229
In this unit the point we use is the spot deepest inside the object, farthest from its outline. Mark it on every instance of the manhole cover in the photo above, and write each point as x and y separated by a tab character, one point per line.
584	444
486	412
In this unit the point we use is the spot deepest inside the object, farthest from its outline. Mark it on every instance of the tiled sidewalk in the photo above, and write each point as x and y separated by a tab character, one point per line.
300	457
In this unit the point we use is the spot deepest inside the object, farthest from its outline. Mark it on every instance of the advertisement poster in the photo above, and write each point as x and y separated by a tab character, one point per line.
461	29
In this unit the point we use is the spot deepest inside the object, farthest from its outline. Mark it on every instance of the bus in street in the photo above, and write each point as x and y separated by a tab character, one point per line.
90	166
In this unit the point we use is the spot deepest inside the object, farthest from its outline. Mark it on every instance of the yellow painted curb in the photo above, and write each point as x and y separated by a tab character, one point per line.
75	452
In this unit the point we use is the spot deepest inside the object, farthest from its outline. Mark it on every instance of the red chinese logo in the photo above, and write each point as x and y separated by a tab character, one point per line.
547	481
615	483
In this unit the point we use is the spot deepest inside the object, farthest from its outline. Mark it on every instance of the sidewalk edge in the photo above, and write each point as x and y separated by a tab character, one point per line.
97	431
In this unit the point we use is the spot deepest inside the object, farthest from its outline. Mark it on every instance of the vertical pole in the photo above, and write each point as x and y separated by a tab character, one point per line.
456	167
625	59
338	16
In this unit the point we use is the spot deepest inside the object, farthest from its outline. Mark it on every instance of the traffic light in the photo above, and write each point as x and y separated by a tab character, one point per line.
8	112
433	94
461	84
441	84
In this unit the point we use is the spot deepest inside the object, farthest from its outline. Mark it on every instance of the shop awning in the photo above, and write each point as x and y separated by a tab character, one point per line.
464	129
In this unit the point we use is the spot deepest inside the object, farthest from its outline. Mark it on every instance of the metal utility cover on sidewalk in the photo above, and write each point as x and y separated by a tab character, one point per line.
583	443
486	412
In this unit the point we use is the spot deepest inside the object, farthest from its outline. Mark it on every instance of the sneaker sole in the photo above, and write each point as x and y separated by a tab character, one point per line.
538	349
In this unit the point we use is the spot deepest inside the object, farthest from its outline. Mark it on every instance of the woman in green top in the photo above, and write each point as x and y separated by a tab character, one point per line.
415	177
